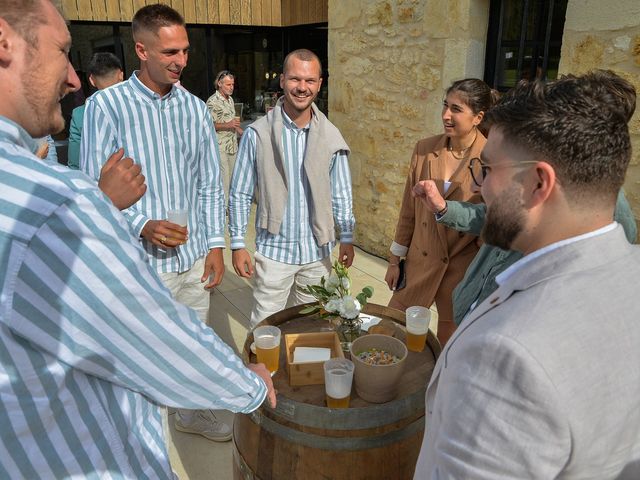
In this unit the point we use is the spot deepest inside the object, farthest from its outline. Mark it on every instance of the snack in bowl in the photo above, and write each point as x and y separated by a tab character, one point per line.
373	356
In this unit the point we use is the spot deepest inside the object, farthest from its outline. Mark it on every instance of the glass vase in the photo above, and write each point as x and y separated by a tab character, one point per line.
348	329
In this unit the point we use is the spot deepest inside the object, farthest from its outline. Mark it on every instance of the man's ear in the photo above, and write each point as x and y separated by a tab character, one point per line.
7	43
92	81
141	51
543	182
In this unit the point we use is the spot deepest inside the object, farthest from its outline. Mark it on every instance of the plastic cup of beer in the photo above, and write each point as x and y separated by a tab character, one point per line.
417	322
179	217
338	376
267	339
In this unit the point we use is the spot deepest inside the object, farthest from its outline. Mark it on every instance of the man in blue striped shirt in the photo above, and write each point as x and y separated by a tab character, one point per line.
296	161
91	342
171	134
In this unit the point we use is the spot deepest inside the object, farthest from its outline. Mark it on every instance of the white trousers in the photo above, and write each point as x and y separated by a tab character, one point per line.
186	288
277	285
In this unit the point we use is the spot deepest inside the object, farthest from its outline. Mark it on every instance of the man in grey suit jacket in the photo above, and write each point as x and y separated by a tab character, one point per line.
532	385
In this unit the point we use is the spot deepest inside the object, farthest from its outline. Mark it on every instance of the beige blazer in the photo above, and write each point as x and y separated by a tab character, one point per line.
438	256
542	379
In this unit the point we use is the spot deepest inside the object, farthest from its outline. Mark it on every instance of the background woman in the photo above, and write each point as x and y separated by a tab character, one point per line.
436	257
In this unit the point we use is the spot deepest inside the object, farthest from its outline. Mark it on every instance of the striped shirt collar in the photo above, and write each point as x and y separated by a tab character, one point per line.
11	132
290	124
145	91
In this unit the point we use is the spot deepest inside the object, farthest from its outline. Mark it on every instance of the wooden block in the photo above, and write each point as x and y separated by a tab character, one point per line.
311	373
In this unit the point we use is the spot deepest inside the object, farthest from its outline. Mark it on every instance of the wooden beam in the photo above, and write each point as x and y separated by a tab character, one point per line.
267	18
126	10
99	10
113	10
70	9
276	13
201	12
225	18
213	11
189	11
246	12
235	7
85	10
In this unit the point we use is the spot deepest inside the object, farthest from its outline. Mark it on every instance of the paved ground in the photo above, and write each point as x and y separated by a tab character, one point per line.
194	457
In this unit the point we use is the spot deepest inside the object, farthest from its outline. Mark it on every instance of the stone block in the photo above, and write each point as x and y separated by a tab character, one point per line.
343	13
598	15
379	13
446	19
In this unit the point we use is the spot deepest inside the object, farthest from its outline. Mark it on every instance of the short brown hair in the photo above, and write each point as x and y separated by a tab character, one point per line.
153	17
566	124
24	16
304	55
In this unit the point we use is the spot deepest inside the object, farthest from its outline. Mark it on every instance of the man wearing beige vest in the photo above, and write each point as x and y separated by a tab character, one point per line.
296	161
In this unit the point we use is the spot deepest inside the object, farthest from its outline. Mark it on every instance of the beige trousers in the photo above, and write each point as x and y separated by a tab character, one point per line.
277	285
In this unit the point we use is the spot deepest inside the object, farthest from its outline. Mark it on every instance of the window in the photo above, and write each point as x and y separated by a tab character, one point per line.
523	41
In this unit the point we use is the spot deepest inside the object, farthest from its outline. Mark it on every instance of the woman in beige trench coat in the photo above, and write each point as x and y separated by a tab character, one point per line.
436	257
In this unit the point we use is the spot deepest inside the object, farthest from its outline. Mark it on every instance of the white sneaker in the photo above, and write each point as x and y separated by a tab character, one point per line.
205	423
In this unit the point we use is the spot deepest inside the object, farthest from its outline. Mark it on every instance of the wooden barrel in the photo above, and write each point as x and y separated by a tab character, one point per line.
301	438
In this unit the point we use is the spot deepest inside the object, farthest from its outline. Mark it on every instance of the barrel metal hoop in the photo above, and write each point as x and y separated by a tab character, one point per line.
348	418
340	443
243	467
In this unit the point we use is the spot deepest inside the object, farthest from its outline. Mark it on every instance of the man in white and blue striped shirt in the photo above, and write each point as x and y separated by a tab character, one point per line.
91	342
170	133
296	161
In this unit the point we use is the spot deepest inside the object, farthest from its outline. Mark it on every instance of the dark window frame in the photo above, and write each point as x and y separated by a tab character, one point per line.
542	41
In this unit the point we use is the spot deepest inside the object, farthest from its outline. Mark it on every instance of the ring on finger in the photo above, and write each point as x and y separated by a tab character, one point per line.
163	239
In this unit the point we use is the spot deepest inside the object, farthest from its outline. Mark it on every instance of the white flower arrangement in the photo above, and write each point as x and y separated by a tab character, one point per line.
334	295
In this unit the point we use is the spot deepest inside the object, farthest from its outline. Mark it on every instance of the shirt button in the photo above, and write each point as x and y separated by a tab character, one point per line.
460	234
424	254
424	224
445	260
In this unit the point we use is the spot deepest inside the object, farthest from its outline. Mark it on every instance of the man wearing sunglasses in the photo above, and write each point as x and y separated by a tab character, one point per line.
524	388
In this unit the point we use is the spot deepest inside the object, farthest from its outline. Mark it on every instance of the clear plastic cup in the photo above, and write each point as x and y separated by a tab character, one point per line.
267	340
338	377
179	217
417	321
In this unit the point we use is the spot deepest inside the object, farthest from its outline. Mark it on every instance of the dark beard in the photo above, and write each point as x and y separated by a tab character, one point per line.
504	221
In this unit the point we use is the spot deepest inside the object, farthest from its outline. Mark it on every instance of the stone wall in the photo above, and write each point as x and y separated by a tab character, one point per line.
597	35
390	63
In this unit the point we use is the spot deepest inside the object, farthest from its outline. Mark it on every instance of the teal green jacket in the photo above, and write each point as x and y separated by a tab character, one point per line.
480	278
75	133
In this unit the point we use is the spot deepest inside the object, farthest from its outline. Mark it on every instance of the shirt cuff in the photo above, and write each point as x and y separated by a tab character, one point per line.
260	395
399	250
237	242
216	242
346	237
137	223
